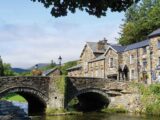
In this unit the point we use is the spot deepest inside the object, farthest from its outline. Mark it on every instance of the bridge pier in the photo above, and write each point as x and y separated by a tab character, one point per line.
56	96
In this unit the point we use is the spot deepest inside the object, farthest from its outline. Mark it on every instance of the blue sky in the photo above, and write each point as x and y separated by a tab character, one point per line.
30	35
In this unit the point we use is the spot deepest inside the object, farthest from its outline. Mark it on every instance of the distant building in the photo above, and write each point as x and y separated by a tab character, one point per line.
52	72
139	61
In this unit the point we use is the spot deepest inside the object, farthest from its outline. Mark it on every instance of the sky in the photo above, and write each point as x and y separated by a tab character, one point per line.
30	35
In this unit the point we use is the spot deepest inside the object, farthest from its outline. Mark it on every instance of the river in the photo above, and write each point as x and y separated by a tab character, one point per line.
90	116
98	116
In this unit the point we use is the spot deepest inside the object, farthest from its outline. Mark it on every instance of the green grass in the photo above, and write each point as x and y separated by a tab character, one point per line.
150	98
14	97
114	110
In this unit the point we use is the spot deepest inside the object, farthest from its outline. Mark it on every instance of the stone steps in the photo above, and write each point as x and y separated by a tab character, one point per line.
9	111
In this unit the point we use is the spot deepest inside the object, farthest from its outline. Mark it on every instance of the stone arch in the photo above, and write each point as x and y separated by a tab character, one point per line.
91	97
37	101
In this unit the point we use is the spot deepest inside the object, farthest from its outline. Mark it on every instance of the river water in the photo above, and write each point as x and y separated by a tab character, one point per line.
98	116
90	116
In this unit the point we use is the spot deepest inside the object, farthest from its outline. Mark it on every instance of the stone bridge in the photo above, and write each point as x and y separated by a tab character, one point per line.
96	93
34	89
42	92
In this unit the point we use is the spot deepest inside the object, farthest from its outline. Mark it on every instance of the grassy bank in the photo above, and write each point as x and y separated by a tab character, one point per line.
114	110
51	112
150	98
14	97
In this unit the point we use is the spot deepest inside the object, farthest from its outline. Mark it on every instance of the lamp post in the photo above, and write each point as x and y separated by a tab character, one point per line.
60	60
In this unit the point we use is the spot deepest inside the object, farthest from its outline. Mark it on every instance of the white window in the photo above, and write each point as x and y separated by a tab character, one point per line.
131	59
111	60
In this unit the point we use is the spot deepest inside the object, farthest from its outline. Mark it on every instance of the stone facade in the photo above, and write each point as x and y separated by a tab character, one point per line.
139	61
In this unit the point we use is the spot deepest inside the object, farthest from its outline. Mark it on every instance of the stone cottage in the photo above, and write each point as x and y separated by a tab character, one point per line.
139	61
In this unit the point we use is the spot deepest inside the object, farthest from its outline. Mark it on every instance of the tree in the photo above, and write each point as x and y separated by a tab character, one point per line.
67	65
53	64
1	67
140	20
92	7
8	70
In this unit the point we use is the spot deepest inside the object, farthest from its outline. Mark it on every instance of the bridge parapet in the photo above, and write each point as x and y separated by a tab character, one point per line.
78	85
38	83
84	82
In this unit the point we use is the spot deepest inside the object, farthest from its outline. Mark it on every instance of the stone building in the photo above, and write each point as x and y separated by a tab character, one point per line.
139	61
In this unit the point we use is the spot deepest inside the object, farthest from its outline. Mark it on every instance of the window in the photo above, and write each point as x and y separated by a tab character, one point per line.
132	74
131	59
111	63
144	50
158	44
144	63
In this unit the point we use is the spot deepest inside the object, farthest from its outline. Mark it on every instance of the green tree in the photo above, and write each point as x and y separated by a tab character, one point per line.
1	67
67	65
92	7
140	20
53	64
8	70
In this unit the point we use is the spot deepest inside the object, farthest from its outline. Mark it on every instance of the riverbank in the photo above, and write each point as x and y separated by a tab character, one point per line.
10	112
144	99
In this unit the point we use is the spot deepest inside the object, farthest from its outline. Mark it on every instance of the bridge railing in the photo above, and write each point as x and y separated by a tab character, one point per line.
36	82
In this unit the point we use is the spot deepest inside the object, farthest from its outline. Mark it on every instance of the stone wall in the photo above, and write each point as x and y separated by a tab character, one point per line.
111	70
96	69
35	85
155	56
123	95
87	55
75	73
56	96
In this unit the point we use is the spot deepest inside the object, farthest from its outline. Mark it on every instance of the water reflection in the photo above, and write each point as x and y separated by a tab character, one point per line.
98	116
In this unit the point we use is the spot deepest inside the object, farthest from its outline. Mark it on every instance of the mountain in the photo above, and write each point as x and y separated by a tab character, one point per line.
20	70
40	65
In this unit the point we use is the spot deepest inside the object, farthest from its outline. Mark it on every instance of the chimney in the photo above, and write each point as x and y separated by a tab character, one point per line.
101	44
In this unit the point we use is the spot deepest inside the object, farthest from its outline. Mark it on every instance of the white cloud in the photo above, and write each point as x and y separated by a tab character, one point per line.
26	45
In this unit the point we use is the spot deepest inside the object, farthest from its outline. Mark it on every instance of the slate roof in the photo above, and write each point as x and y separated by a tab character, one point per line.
154	33
118	48
101	57
137	45
75	67
47	72
121	49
